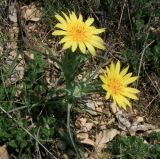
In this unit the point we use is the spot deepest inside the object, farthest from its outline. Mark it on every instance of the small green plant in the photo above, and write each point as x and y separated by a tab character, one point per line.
154	137
134	148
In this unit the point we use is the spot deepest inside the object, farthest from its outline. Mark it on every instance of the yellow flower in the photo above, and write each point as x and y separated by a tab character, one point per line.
77	33
116	82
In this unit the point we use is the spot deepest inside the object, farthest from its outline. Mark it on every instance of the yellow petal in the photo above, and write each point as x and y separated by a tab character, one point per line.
112	68
124	71
59	32
103	78
117	69
130	80
131	90
104	86
97	38
124	106
89	21
67	45
108	71
107	95
61	26
127	76
120	102
80	18
65	39
73	16
130	95
98	44
125	100
67	18
60	19
97	31
82	47
90	48
74	46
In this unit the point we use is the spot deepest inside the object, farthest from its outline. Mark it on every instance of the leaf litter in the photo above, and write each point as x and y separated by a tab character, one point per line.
95	130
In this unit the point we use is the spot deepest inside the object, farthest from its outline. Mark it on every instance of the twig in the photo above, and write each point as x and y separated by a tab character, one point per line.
143	51
158	91
18	108
119	24
151	101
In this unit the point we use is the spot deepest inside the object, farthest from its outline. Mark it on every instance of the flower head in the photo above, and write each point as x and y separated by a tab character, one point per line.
77	33
116	82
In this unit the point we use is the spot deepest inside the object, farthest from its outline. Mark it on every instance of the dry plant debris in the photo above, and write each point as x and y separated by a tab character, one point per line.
31	12
129	122
3	152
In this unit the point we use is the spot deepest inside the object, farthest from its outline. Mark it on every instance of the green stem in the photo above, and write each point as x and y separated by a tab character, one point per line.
68	127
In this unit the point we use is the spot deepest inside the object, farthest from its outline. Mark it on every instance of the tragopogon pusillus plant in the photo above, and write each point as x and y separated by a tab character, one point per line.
116	84
77	33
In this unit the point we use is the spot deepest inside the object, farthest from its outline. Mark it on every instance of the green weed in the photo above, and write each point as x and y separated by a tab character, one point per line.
134	148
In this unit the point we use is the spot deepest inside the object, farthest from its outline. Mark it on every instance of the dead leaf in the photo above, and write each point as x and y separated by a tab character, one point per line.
140	119
123	122
99	109
84	138
115	109
82	135
129	123
3	153
103	137
1	50
12	12
88	142
91	107
140	127
28	55
80	122
87	127
31	12
154	130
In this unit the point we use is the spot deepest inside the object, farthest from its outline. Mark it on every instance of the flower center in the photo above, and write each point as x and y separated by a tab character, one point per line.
79	32
115	86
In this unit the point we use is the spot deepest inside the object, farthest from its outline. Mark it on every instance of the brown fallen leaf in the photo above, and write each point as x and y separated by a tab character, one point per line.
87	127
129	123
103	137
115	109
80	122
31	12
1	50
91	107
150	131
84	138
141	127
88	142
12	12
3	152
